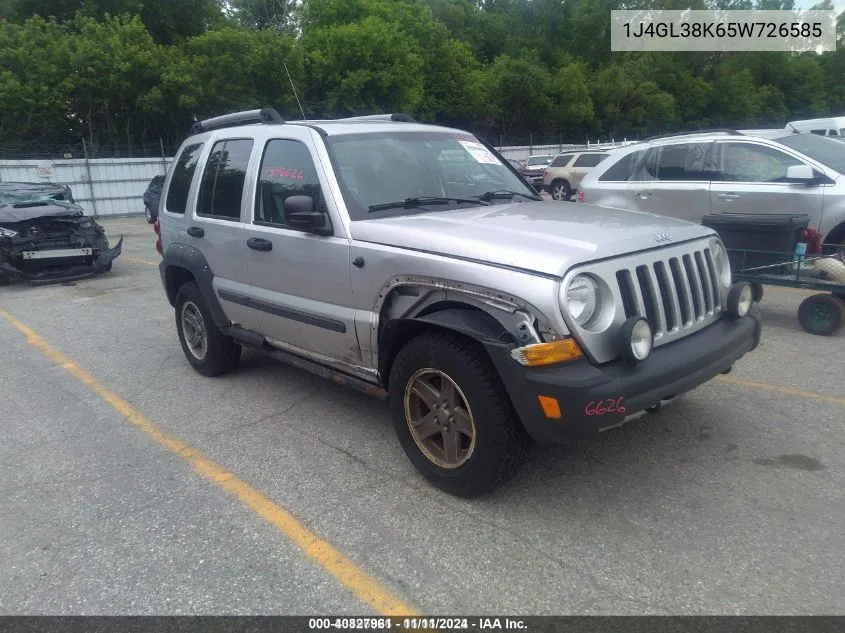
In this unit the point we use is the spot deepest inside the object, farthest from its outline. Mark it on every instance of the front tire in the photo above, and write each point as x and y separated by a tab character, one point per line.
149	216
209	351
560	190
452	415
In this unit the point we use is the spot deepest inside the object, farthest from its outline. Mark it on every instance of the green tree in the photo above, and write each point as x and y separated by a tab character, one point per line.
166	20
34	83
365	66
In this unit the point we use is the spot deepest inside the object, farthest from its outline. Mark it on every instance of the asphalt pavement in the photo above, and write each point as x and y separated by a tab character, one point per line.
129	484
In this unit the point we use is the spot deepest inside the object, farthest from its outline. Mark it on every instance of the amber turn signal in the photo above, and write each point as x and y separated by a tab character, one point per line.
547	353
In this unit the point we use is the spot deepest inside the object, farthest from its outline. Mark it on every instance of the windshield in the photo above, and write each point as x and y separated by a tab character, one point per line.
381	168
533	161
820	148
23	194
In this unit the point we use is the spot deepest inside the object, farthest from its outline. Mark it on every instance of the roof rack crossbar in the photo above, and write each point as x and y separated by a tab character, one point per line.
399	117
264	115
729	131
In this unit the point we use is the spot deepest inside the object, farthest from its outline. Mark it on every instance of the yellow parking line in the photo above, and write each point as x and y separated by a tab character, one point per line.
148	262
319	550
764	386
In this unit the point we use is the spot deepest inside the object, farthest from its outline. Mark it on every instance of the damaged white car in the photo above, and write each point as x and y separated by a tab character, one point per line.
46	237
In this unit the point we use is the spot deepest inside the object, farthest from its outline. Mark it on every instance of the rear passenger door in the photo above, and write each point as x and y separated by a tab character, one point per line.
215	227
300	282
674	180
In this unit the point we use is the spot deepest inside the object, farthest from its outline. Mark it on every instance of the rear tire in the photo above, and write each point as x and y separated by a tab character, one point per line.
822	314
209	351
149	216
560	190
491	441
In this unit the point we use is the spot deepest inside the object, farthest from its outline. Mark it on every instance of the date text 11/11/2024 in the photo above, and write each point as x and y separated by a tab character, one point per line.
417	623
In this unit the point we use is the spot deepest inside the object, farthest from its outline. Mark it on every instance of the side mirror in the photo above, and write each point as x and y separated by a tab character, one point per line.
800	173
300	214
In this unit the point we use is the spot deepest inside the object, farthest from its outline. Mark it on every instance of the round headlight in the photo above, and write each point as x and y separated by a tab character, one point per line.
740	298
582	299
636	340
722	262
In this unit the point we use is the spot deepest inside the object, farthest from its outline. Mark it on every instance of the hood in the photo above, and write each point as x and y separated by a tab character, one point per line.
26	211
544	237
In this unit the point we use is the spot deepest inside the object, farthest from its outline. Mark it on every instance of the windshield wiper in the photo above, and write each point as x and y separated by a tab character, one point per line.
505	193
414	203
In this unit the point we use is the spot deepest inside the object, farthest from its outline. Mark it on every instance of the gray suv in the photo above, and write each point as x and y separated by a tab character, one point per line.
688	176
413	263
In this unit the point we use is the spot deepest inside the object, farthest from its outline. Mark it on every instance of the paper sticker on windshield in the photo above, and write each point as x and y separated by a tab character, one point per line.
479	152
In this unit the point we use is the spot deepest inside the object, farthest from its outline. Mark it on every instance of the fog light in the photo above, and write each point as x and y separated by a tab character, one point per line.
636	340
740	299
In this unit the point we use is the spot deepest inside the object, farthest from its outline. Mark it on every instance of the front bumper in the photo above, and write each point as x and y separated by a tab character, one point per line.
594	398
62	269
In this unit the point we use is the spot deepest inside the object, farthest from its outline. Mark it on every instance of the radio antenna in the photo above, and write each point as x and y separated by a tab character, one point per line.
294	92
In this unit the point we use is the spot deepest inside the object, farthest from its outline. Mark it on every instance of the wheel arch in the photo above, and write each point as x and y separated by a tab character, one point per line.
410	309
183	264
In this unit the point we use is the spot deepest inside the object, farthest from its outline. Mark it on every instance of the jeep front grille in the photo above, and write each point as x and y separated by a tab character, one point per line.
674	293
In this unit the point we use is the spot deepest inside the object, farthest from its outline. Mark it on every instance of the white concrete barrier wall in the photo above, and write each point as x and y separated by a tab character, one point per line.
102	186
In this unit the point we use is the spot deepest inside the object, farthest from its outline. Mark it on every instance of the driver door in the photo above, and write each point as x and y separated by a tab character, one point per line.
300	281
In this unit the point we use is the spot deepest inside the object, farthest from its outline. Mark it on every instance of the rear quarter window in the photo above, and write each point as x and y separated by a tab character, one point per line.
589	160
180	181
561	161
623	169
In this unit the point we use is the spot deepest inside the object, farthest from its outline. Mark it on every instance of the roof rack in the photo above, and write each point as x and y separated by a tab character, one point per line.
264	115
713	131
400	117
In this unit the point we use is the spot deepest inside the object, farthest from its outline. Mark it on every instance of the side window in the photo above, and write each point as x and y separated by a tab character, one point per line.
746	162
222	185
687	162
286	170
832	133
589	160
561	161
647	169
180	182
623	169
818	132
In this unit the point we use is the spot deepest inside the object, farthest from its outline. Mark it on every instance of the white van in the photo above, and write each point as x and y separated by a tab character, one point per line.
833	126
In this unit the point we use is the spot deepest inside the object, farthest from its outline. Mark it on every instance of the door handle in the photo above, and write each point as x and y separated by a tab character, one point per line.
728	196
195	231
258	244
642	194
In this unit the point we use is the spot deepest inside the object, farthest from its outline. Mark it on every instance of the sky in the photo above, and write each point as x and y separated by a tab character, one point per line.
839	5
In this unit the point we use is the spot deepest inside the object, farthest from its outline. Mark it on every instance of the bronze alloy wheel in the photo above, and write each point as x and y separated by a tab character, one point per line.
439	418
193	328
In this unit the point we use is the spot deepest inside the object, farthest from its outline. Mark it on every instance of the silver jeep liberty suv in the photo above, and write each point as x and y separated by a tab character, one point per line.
414	263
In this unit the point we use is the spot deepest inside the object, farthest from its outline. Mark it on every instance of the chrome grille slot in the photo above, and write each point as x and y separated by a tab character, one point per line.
695	287
704	277
668	295
682	291
714	280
